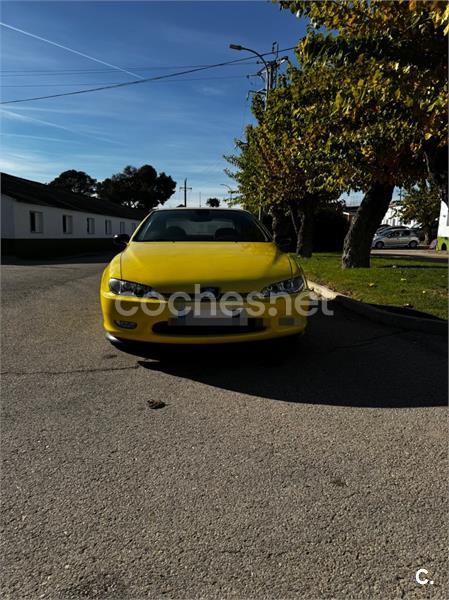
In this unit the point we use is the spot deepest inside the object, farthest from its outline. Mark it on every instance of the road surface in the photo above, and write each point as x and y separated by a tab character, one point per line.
318	475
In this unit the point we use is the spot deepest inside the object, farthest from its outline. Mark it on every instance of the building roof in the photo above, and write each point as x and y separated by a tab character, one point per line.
181	208
33	192
351	209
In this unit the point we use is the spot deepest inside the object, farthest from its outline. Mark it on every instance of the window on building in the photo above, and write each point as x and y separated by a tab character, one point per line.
133	226
36	221
67	224
90	225
122	226
108	226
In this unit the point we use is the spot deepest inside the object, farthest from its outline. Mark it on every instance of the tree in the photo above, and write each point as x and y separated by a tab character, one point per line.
138	187
381	68
213	202
403	38
421	204
77	182
278	171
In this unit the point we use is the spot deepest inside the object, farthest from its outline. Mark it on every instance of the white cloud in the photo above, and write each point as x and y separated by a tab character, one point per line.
30	166
209	90
38	137
98	112
8	114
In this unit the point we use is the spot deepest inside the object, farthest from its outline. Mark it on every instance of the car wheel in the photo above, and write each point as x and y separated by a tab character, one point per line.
413	244
379	245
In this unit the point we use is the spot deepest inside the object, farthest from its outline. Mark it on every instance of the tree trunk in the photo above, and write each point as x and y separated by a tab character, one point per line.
293	210
306	213
358	240
302	215
279	224
427	234
437	159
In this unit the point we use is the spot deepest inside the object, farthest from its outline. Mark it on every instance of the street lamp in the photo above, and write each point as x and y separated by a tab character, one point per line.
267	68
268	80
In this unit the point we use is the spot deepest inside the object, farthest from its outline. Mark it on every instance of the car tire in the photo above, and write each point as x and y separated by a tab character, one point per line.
413	244
379	245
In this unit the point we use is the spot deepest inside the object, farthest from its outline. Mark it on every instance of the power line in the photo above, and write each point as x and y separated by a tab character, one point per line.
135	82
28	72
42	39
114	82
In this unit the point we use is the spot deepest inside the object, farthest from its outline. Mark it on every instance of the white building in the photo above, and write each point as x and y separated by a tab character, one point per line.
443	228
39	219
392	217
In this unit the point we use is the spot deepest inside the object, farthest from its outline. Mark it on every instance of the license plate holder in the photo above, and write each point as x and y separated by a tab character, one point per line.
208	317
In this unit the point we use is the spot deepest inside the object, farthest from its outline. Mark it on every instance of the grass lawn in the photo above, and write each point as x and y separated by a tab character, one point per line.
421	285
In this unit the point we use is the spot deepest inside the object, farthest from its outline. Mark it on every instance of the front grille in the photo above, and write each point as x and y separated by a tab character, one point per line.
164	328
167	295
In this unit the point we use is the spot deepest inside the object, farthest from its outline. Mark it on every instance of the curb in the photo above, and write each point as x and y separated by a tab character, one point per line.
442	257
385	315
322	290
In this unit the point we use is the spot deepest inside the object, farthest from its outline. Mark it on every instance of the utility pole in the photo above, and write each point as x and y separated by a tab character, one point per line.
185	188
200	198
270	69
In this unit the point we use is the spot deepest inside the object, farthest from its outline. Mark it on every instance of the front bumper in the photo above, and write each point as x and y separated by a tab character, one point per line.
281	317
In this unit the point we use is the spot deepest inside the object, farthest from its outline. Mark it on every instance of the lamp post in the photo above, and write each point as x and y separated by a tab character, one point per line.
266	65
269	80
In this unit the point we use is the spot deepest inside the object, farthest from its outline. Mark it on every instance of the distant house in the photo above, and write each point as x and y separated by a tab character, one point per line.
392	216
39	219
443	228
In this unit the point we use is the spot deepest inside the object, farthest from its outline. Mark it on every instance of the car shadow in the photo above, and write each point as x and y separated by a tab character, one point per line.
341	360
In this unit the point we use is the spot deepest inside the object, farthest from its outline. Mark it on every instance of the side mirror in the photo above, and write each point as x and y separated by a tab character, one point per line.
120	239
284	244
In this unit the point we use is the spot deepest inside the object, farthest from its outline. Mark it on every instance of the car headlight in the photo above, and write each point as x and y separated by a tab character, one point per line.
129	288
288	286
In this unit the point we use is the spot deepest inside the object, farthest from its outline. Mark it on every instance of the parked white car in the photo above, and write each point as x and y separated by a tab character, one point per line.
395	238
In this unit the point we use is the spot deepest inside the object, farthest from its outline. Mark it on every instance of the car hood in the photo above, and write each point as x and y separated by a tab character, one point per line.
231	266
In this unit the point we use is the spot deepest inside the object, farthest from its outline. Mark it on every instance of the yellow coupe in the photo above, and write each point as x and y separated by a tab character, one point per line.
202	276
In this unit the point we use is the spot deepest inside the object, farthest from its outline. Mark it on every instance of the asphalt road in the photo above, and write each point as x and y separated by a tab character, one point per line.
317	475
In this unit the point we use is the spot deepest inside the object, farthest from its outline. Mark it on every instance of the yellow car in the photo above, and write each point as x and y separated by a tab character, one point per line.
202	276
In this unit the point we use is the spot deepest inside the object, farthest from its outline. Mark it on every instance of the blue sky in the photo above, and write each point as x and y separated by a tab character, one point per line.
180	127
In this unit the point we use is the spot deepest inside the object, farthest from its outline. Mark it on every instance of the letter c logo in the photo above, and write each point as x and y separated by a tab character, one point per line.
422	580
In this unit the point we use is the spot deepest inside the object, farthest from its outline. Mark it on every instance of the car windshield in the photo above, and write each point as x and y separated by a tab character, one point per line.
201	225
